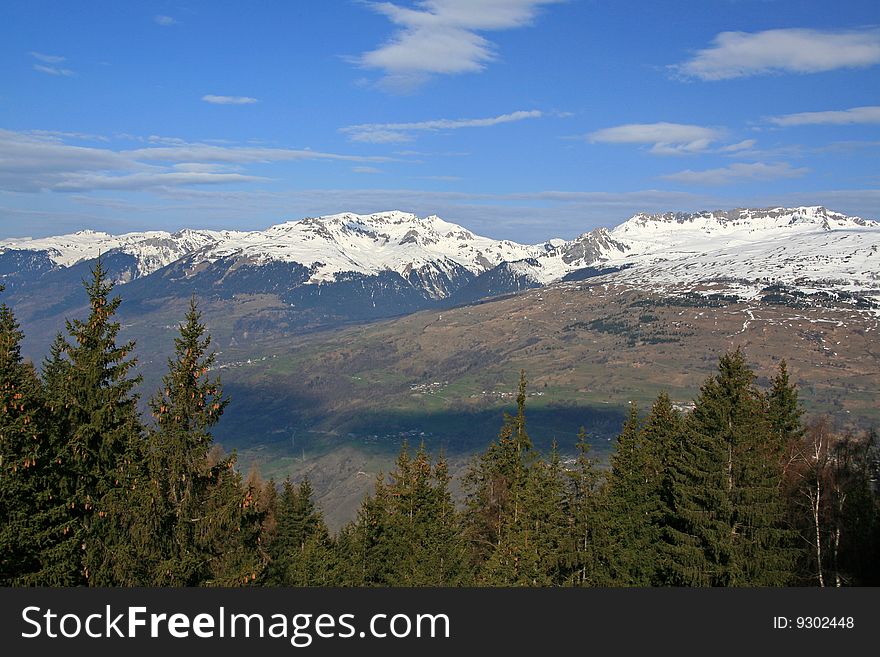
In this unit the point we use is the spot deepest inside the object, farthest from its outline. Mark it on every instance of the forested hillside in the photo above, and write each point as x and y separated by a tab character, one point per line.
740	491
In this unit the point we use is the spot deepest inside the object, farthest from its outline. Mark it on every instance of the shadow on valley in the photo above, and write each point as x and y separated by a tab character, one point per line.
255	419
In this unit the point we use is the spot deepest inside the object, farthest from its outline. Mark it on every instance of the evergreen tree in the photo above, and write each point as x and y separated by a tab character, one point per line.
631	507
584	546
512	508
182	481
231	531
783	409
495	482
407	533
100	445
25	460
636	495
302	550
725	491
60	556
366	544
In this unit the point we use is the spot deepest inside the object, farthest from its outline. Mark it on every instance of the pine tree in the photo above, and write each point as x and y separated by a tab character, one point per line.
423	524
630	497
407	532
187	406
231	531
101	448
495	481
725	494
25	460
585	542
784	410
301	551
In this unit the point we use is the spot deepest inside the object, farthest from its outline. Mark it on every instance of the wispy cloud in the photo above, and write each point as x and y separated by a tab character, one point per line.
366	170
53	70
239	154
229	100
441	37
164	20
665	138
737	173
48	64
791	50
379	133
61	134
145	181
47	59
855	115
745	144
32	162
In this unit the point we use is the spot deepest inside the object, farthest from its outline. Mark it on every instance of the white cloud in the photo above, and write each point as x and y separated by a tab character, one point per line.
61	134
144	181
665	138
164	20
380	133
53	70
737	172
440	37
229	100
745	144
366	170
241	155
48	64
47	59
791	50
31	163
868	114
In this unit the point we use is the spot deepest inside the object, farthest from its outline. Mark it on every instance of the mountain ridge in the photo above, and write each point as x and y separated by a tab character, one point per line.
421	262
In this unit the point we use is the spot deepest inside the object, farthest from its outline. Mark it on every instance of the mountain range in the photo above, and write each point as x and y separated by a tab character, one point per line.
349	267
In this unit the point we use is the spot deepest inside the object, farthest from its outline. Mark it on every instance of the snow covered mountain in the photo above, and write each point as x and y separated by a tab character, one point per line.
428	252
152	249
350	266
809	248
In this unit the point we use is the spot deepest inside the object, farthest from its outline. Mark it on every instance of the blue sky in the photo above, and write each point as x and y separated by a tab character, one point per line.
521	119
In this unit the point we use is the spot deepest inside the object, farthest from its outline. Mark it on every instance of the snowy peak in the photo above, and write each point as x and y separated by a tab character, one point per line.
593	247
809	246
152	249
742	220
370	244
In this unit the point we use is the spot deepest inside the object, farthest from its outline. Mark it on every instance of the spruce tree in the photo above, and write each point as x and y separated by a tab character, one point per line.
25	461
584	543
495	482
636	503
725	491
783	409
231	531
188	405
631	505
366	545
101	443
423	524
512	506
301	551
407	532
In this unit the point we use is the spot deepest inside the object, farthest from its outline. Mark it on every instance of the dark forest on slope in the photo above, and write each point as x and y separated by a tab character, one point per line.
737	492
